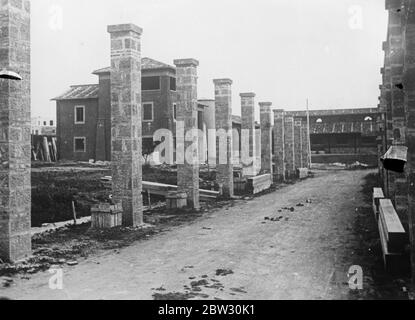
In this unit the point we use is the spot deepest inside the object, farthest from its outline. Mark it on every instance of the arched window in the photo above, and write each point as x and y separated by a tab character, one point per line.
319	120
368	118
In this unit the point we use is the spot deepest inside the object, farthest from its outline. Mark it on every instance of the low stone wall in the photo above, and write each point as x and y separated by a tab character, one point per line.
259	183
369	159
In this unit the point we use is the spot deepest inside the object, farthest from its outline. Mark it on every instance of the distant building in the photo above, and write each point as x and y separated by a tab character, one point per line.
342	135
83	114
42	126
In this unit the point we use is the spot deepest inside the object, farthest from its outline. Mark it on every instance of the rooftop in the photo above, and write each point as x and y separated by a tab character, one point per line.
333	112
366	128
88	91
146	64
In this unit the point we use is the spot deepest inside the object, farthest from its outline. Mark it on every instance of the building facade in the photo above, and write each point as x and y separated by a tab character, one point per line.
83	113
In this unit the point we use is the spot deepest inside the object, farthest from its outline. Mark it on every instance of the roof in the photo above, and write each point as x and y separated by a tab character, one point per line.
88	91
367	128
333	112
146	64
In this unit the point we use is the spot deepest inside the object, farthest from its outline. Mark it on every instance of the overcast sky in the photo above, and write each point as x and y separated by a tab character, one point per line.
283	50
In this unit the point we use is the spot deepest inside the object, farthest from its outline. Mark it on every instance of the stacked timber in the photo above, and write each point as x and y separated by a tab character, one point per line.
44	148
393	238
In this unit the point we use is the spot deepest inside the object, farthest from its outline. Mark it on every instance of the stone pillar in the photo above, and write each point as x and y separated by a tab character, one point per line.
15	145
298	142
223	107
126	140
248	156
409	98
266	137
305	149
257	159
279	145
289	147
187	141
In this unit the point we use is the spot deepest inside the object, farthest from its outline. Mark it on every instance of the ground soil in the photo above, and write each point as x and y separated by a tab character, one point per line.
297	242
55	186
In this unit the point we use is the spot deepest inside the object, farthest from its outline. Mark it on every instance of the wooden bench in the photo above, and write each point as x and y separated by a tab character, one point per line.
377	195
393	237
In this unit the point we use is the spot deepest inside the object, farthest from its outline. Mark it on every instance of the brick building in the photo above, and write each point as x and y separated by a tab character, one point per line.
84	112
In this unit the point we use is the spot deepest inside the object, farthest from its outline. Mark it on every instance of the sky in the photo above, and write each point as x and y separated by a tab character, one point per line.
286	51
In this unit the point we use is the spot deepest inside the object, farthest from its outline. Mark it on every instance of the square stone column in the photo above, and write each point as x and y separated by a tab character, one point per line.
266	137
223	111
289	147
298	142
188	140
248	156
126	139
305	148
15	145
279	145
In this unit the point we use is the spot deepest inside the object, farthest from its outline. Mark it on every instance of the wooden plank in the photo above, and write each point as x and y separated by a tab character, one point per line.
164	189
394	231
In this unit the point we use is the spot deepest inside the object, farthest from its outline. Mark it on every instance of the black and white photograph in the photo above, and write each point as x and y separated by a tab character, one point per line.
221	152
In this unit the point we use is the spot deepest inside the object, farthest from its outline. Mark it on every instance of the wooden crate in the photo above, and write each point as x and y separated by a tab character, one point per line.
176	200
239	185
106	216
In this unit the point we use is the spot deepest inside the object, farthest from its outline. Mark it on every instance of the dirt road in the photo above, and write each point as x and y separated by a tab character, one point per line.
232	253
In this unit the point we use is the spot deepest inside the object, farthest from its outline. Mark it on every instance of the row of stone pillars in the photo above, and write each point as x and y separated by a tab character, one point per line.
291	145
397	120
126	139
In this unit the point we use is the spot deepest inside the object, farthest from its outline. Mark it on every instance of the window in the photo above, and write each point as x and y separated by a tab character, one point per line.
79	114
80	144
51	123
45	123
150	83
172	84
174	111
148	111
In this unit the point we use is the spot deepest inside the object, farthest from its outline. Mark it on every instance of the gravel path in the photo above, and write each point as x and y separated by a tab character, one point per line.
237	252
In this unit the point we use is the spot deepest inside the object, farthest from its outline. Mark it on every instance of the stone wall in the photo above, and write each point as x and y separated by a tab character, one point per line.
397	101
